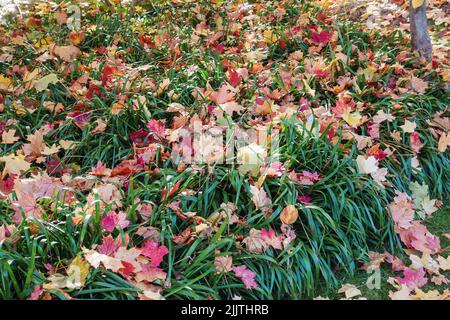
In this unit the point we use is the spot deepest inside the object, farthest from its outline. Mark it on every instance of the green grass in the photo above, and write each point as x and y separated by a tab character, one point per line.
438	225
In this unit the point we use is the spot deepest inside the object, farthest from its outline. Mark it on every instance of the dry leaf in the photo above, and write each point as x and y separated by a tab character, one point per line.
42	84
409	126
14	164
416	3
350	291
289	214
9	137
367	166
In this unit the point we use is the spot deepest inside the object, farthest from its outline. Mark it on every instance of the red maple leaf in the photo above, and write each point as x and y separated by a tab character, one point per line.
155	252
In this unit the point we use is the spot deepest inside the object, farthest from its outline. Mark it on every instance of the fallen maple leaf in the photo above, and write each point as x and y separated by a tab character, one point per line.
14	164
367	165
409	126
350	290
353	118
5	82
444	142
260	199
67	144
402	210
66	53
155	252
444	263
247	276
42	83
419	85
254	242
289	214
402	294
223	263
416	3
431	295
9	137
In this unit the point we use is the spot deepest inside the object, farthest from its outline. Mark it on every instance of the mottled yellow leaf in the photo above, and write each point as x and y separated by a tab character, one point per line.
444	142
349	290
416	3
5	82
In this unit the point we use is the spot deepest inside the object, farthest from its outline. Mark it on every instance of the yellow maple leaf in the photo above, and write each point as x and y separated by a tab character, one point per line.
444	263
369	72
430	295
77	273
4	82
14	164
29	77
42	83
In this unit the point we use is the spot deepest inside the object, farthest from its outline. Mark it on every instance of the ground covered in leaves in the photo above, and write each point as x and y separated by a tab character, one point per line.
119	180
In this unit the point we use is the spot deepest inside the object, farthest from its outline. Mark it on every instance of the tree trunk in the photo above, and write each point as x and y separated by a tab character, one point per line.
420	39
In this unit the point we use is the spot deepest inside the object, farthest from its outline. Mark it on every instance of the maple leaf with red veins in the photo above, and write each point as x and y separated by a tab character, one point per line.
30	207
109	246
402	211
247	276
155	252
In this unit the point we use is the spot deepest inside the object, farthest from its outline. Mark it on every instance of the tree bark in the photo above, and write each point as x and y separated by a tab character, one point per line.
420	38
